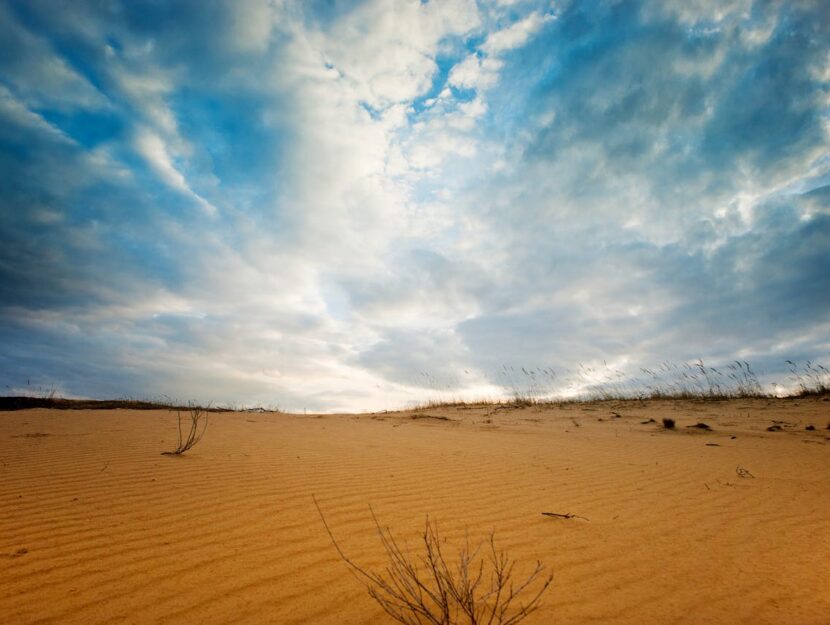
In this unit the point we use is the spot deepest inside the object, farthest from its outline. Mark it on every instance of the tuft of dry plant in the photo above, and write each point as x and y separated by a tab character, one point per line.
476	589
198	426
811	378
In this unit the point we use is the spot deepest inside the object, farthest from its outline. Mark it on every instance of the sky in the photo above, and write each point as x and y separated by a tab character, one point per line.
348	206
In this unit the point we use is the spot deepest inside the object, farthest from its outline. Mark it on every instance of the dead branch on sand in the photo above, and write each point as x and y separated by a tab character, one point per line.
477	590
567	515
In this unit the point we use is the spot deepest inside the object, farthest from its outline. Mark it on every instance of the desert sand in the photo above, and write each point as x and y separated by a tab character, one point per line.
97	527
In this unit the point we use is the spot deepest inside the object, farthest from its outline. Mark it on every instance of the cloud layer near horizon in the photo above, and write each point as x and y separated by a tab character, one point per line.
349	206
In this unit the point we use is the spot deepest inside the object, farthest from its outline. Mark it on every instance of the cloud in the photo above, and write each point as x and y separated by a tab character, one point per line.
387	54
480	70
18	116
401	199
30	67
153	149
515	35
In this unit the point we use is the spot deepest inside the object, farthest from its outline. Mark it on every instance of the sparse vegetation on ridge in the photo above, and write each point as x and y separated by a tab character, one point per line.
696	381
527	387
811	379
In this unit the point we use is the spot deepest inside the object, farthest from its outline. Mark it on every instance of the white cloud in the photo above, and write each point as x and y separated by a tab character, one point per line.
480	70
16	111
691	12
515	35
349	183
251	23
387	50
40	76
475	72
146	92
152	148
155	152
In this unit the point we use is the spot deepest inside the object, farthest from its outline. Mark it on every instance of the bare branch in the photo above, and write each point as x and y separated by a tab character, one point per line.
427	590
198	427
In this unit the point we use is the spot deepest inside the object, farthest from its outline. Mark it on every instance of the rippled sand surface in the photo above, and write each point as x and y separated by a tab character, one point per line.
690	526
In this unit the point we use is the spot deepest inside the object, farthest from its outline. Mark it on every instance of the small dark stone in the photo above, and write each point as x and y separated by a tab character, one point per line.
700	426
810	428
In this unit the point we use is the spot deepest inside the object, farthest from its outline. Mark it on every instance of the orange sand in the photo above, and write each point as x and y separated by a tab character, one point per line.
97	527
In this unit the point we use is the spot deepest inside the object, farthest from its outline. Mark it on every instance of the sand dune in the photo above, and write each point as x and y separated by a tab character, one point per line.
97	527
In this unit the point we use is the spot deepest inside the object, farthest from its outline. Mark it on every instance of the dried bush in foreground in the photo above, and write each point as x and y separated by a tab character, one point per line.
478	589
198	426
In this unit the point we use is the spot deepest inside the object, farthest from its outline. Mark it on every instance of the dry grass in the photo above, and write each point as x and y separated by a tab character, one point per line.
695	381
812	379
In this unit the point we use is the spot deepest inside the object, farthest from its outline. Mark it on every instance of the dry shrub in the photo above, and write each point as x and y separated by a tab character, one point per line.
198	427
477	589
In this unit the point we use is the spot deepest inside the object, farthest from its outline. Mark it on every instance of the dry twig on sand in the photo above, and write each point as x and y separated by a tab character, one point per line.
743	472
198	426
567	515
477	590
